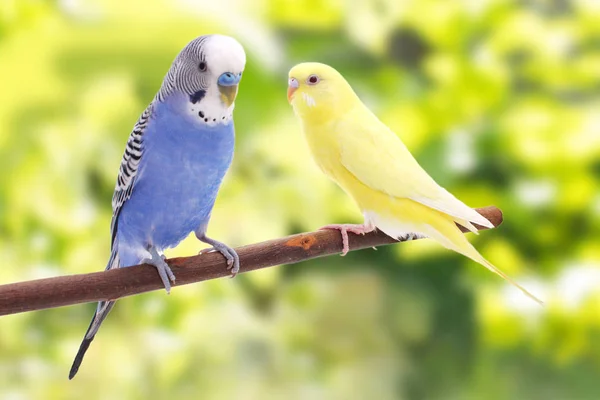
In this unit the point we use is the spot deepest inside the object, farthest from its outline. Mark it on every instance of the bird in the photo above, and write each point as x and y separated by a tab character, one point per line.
373	166
174	162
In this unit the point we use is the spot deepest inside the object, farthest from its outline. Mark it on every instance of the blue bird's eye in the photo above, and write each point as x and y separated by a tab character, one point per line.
202	66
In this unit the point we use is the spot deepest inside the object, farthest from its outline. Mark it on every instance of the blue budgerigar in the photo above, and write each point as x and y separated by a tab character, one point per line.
174	162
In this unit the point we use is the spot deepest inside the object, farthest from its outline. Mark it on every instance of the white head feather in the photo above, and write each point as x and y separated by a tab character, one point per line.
217	54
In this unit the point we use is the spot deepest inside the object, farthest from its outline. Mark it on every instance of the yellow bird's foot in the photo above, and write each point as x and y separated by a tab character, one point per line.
357	229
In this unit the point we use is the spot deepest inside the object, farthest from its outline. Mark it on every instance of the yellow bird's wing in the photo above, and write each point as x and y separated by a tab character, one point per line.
377	157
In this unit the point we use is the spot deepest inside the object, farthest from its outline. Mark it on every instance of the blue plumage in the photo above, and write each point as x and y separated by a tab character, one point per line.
174	163
187	159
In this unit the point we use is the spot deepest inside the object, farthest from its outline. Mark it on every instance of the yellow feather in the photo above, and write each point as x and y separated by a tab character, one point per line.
370	162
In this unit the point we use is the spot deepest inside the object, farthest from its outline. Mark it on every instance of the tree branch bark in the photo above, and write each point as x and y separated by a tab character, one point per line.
110	285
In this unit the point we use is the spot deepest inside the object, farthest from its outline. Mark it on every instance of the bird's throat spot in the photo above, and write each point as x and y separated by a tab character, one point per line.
197	96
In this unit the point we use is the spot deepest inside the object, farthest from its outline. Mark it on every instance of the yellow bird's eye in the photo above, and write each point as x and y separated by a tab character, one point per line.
313	80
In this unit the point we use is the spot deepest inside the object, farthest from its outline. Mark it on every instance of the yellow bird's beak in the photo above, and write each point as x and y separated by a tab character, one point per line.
228	94
292	87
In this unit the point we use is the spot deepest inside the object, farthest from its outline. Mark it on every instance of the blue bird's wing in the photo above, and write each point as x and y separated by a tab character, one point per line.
127	177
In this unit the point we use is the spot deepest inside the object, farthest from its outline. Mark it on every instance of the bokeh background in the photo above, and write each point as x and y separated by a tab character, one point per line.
498	100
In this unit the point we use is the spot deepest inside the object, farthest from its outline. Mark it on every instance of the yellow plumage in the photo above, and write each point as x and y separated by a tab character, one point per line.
370	162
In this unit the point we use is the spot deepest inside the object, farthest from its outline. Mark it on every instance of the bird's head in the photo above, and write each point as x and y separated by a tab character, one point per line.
207	71
319	92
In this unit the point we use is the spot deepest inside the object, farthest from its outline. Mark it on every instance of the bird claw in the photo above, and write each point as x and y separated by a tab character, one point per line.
229	259
231	256
233	260
360	229
164	271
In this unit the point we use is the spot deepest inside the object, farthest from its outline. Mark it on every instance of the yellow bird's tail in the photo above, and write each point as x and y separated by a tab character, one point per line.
447	234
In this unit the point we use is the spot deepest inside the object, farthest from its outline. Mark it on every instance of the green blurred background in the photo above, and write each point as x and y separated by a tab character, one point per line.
498	100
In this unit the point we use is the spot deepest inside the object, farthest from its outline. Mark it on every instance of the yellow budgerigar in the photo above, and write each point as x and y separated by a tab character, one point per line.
370	162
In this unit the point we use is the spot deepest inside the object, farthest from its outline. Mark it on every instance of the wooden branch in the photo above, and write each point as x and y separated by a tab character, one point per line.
109	285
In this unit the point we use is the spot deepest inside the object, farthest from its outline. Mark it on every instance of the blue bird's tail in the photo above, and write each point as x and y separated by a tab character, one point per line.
102	311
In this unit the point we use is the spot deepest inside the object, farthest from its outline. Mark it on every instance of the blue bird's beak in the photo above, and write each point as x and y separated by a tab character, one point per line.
228	86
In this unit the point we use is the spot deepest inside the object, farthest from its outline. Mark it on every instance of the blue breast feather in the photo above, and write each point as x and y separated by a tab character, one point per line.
182	166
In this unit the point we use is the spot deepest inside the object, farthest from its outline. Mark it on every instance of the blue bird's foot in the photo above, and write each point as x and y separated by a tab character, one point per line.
164	271
233	260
